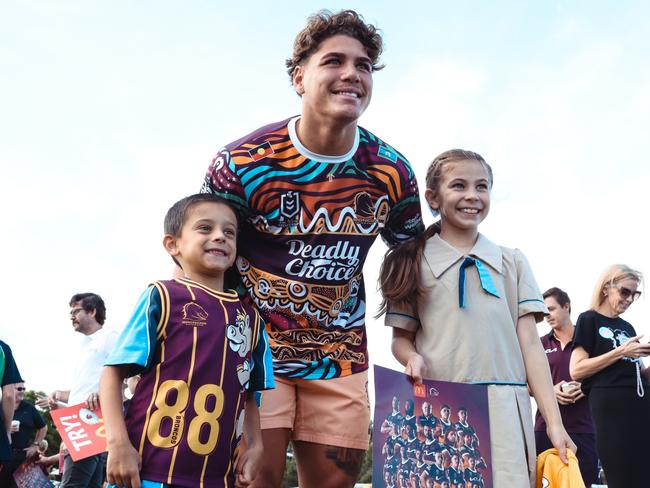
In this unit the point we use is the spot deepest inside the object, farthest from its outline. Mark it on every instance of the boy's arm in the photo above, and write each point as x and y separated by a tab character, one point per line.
123	467
538	376
248	462
252	430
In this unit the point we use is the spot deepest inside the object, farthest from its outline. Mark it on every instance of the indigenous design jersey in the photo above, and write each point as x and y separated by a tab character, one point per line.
200	350
310	221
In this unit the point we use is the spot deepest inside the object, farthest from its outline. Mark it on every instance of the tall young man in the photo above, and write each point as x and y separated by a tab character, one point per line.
316	191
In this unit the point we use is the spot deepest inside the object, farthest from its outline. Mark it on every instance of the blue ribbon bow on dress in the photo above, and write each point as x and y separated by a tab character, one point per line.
484	275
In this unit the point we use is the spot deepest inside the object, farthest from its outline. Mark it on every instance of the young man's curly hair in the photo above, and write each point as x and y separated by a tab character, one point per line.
324	25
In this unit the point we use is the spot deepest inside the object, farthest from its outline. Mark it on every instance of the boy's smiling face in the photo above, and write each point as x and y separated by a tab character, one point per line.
207	245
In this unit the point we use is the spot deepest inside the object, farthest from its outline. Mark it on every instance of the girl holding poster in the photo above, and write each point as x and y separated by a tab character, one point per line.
465	310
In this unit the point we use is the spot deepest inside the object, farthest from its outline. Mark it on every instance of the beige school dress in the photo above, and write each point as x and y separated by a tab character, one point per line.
478	343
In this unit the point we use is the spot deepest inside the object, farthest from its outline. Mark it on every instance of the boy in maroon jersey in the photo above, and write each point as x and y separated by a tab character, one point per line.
201	353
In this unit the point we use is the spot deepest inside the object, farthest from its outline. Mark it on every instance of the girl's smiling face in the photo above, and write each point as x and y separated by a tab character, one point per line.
462	197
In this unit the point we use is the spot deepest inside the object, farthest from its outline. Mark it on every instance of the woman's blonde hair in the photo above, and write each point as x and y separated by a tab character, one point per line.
612	275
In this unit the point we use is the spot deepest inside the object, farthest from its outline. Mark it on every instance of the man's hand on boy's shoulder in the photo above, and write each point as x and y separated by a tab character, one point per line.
248	464
123	466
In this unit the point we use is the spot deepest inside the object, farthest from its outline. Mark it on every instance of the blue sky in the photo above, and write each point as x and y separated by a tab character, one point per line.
111	111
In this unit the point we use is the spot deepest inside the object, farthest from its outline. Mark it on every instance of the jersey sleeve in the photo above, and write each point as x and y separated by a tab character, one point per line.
405	217
585	333
529	298
11	374
402	317
262	362
137	343
222	180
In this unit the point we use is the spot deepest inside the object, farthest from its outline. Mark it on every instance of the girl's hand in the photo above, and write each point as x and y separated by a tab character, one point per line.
123	466
415	368
561	441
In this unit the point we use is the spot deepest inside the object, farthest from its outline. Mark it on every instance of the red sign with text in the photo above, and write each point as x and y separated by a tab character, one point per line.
81	430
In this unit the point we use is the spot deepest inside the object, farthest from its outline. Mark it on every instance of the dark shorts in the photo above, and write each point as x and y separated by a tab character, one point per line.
587	455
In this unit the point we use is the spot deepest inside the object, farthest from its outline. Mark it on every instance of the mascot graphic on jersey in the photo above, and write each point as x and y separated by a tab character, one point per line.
240	340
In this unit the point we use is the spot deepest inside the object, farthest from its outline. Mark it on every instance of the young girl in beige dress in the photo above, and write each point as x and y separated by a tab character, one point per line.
465	310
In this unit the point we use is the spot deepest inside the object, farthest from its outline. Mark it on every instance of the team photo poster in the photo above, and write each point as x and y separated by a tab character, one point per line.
433	435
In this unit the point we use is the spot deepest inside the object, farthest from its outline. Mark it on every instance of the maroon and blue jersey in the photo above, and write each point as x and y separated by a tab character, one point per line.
199	352
310	221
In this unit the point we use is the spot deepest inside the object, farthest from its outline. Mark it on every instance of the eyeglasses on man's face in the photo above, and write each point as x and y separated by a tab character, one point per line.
75	311
20	388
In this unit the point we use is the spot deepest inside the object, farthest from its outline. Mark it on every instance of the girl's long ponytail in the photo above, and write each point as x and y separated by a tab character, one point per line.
399	277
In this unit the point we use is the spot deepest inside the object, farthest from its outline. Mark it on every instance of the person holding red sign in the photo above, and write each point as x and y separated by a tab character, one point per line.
87	315
202	353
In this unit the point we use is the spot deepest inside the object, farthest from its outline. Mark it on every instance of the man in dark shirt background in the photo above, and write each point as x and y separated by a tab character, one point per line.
573	404
26	436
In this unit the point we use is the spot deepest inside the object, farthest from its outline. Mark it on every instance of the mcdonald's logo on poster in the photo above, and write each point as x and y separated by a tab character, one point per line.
419	390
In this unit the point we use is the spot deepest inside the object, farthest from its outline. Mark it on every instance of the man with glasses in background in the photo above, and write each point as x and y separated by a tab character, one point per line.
87	314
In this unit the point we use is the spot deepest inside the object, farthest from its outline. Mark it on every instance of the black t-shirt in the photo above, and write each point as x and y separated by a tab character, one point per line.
30	422
599	334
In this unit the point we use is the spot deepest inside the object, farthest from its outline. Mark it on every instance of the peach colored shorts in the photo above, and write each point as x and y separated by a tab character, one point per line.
333	412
